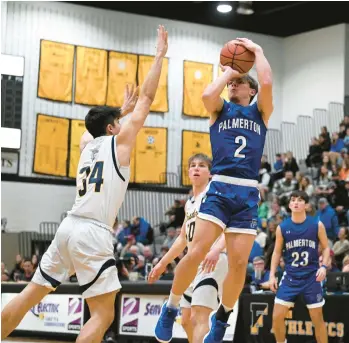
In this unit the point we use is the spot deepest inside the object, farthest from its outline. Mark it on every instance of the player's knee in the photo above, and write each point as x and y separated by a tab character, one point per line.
317	317
278	317
186	323
237	263
197	255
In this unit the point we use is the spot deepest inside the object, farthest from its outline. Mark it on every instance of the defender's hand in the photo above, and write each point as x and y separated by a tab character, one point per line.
249	45
130	100
210	261
156	272
273	284
162	44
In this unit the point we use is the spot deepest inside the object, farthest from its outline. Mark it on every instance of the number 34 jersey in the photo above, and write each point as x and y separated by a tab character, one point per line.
101	182
301	242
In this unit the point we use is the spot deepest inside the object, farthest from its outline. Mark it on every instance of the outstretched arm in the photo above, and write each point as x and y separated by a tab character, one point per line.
265	79
129	130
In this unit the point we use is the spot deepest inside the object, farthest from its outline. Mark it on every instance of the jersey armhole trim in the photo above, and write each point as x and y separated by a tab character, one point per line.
114	158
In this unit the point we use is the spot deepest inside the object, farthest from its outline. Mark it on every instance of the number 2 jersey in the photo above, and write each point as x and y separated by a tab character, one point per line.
301	243
101	182
237	141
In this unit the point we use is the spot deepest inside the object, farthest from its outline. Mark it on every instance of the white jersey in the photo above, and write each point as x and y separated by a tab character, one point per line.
101	182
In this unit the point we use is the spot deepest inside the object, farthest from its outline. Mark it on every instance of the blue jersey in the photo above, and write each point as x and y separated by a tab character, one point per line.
301	242
237	141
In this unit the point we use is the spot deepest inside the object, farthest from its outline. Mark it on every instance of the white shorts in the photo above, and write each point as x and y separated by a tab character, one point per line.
206	289
83	247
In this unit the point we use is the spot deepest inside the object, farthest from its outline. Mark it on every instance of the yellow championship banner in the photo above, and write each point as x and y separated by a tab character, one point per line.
122	70
151	155
51	145
91	76
224	94
197	76
160	103
193	143
77	128
56	71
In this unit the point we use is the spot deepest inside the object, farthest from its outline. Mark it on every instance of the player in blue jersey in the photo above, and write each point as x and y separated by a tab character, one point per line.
237	133
298	238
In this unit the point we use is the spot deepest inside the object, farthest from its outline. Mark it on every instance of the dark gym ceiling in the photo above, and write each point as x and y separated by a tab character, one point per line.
277	18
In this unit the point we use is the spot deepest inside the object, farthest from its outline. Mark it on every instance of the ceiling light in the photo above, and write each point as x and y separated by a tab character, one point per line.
245	8
224	8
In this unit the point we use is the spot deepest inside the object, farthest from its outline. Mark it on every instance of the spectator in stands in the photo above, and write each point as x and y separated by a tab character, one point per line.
124	232
344	167
256	251
171	237
18	269
336	146
134	249
341	247
169	272
278	168
325	140
264	181
327	215
310	209
284	187
332	266
265	164
131	241
342	129
164	249
148	254
260	277
5	276
326	161
155	261
339	200
142	230
323	182
28	268
140	267
345	263
276	211
261	237
263	209
35	261
314	157
345	121
306	186
290	163
346	138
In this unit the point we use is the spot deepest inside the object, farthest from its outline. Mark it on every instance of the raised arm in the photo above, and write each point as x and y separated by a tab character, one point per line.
211	96
275	260
175	250
265	79
129	130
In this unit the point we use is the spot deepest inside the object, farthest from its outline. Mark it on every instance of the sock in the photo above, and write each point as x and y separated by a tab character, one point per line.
173	300
223	313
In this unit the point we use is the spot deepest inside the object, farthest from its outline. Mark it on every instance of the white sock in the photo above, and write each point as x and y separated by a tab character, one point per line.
283	341
227	309
173	300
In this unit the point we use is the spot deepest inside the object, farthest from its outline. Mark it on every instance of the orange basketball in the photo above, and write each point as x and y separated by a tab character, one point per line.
237	57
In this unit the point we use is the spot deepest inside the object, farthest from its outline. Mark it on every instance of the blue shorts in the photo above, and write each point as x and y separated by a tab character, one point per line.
232	206
309	289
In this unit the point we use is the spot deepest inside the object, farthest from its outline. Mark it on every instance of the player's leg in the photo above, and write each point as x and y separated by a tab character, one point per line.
313	297
200	319
317	318
186	323
16	309
279	327
102	315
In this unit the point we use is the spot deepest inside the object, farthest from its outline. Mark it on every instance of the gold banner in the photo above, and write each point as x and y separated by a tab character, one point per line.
56	71
193	143
151	155
196	78
160	103
122	71
91	76
224	94
77	129
51	145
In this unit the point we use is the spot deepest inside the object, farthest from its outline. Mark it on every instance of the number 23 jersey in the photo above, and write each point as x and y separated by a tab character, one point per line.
301	243
101	182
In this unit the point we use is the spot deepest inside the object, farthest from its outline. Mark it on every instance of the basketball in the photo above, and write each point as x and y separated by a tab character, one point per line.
237	57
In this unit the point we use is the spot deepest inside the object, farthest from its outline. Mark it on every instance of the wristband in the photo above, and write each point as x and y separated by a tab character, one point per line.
323	266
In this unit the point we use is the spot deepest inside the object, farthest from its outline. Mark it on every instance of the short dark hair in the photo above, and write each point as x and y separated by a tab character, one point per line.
27	259
98	118
201	157
300	194
253	84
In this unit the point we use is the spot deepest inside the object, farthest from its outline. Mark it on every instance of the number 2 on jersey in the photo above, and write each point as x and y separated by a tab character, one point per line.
304	256
240	140
96	177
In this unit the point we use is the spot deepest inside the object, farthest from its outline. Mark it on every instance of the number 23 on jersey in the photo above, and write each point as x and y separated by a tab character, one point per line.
95	177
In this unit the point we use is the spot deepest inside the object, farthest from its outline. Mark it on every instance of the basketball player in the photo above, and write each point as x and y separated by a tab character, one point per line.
237	133
298	238
83	242
204	293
